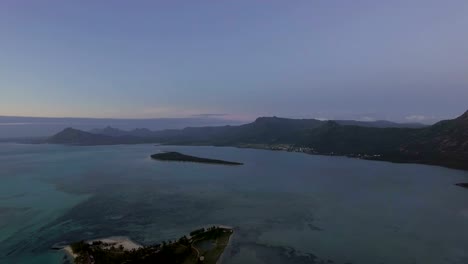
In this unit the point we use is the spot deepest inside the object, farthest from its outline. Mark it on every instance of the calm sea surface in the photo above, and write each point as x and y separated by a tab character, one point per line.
286	207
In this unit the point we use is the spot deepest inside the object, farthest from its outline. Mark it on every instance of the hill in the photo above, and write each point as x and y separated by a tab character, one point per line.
70	136
444	143
115	132
379	124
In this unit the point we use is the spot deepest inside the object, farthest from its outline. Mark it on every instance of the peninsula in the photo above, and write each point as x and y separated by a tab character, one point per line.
176	156
204	245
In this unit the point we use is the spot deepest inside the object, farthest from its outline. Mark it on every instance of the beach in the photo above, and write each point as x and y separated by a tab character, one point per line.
115	241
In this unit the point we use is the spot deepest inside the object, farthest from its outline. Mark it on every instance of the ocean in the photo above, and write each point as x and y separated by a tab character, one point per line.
285	207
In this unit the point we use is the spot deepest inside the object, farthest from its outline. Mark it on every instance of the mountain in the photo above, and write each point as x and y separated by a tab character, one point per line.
109	131
444	143
262	130
72	136
21	127
115	132
379	124
324	135
262	121
142	132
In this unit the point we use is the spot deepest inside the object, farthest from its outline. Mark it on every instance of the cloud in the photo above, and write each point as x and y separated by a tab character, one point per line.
166	111
416	118
16	124
209	115
158	110
367	119
322	118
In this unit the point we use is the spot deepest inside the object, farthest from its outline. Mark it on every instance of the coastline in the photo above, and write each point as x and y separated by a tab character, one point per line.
444	163
119	243
69	252
173	156
228	245
116	241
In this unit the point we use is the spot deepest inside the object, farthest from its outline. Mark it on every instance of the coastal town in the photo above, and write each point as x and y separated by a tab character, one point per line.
308	150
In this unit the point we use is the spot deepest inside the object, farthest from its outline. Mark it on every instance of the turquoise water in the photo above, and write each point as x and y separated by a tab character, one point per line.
286	207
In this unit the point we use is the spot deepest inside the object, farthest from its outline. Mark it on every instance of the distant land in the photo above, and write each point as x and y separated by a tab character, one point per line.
176	156
144	132
444	143
19	126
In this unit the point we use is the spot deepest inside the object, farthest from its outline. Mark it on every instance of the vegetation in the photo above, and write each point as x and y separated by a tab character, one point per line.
176	156
72	136
445	143
184	250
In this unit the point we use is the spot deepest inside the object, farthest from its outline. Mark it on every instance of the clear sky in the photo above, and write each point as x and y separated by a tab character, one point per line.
400	60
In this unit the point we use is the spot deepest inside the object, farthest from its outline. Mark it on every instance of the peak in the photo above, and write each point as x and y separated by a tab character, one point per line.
68	132
68	129
261	119
266	118
464	116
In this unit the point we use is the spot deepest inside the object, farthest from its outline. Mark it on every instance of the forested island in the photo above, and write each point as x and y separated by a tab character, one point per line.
176	156
201	246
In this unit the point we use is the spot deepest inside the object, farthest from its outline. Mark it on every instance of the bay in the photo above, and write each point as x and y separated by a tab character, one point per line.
285	207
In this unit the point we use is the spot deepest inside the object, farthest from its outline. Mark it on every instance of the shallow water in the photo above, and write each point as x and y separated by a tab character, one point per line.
286	207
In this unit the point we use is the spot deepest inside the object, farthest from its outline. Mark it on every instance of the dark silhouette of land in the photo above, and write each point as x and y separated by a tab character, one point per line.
444	143
176	156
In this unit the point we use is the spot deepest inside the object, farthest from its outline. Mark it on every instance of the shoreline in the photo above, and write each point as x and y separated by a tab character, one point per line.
228	245
379	157
69	252
172	156
115	241
126	244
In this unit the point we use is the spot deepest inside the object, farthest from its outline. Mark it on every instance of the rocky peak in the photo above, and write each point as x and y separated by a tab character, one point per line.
465	115
463	118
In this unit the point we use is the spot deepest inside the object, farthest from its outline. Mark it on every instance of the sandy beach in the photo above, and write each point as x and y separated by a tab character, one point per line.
118	241
115	241
69	252
228	245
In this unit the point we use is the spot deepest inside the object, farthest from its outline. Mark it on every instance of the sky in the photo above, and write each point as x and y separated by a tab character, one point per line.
397	60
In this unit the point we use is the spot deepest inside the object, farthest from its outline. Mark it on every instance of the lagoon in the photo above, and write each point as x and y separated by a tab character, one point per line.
285	207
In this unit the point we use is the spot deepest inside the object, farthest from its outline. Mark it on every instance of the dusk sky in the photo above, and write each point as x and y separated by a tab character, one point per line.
396	60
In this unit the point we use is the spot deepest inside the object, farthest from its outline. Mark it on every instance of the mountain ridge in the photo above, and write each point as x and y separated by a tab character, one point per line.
444	143
144	132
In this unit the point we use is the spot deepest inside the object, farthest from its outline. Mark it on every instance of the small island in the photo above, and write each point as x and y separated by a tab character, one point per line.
204	245
176	156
